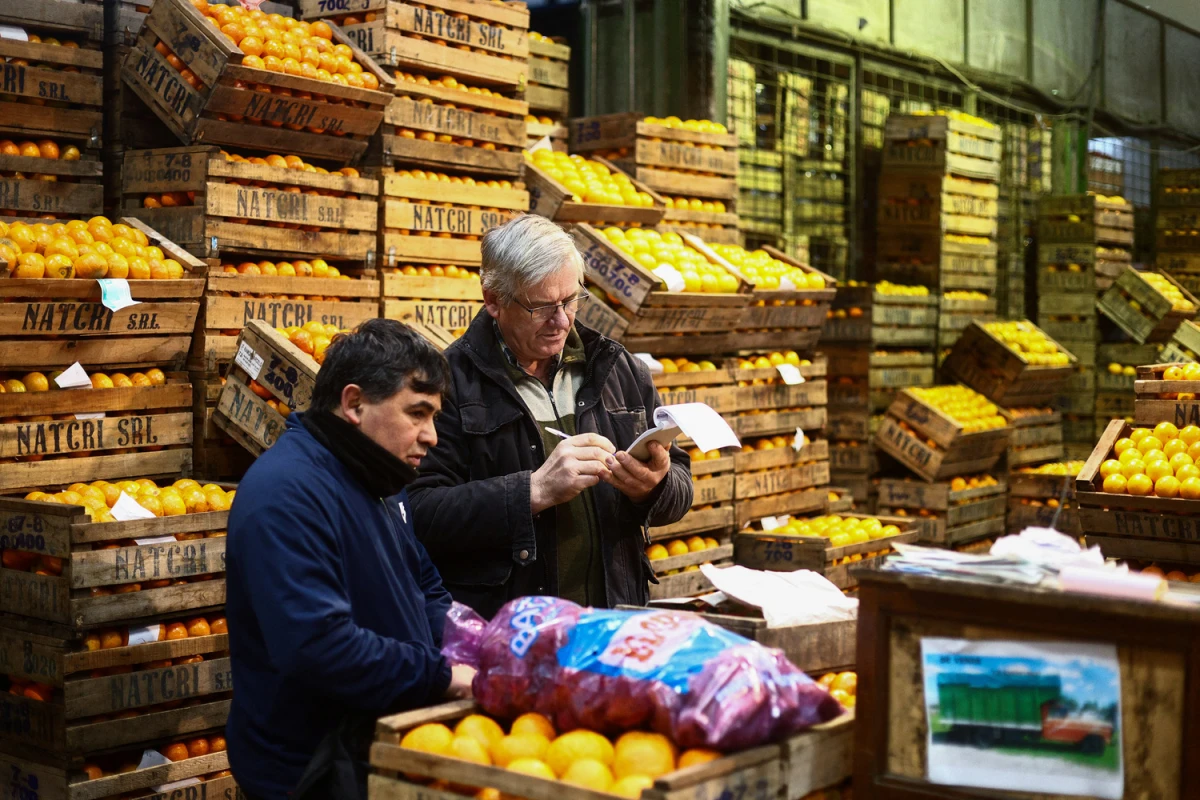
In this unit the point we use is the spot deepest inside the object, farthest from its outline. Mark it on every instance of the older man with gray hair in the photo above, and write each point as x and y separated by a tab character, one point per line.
505	505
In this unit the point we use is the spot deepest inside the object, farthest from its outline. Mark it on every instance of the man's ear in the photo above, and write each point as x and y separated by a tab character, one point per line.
491	301
352	400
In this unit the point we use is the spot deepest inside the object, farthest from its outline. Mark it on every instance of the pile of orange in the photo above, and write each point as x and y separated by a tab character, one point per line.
532	120
767	443
1181	372
681	547
963	483
435	271
42	148
444	82
430	175
584	758
694	204
41	382
1171	575
96	248
1158	463
108	766
184	496
317	268
294	162
445	138
843	686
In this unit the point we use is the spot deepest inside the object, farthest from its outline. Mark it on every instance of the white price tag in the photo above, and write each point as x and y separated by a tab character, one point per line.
115	293
656	367
786	285
127	509
74	377
148	540
152	758
671	277
144	634
90	415
249	360
541	144
790	374
773	523
11	32
798	441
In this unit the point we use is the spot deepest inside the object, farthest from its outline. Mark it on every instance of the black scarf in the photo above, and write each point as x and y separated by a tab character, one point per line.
380	472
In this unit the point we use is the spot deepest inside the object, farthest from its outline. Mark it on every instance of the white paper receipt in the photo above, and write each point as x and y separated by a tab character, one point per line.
697	421
144	634
672	277
790	374
152	758
115	293
249	360
772	523
127	509
74	377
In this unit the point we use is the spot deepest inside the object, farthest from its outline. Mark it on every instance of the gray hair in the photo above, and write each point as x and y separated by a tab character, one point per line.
522	253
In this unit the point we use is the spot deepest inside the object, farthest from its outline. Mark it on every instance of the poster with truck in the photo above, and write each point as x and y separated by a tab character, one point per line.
1024	716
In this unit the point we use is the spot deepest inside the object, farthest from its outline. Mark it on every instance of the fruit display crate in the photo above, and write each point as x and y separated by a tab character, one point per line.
981	359
711	513
943	262
1065	267
48	777
714	388
52	437
886	372
207	202
1140	310
946	516
1040	500
1084	219
671	160
214	107
934	445
719	226
424	127
1157	399
1148	528
52	323
475	41
549	79
865	314
765	550
52	90
798	313
550	198
763	475
929	198
542	129
34	185
1037	436
791	769
423	221
81	22
953	146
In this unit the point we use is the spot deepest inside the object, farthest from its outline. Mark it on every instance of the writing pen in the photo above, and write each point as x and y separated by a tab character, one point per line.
557	432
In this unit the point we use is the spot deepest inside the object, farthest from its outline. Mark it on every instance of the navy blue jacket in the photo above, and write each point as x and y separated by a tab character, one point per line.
333	607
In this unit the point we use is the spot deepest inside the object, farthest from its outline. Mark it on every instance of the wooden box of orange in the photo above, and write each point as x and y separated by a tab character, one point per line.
409	752
122	425
826	545
1037	436
714	221
712	499
942	431
693	158
559	191
676	561
700	381
1043	497
116	775
1138	508
42	176
885	315
211	80
51	314
948	513
549	76
1167	393
115	687
779	480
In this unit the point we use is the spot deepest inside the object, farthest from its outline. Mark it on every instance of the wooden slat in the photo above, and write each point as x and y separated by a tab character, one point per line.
456	122
29	476
291	208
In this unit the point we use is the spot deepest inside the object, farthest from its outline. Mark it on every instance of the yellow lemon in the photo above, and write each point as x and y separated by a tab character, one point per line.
631	786
531	766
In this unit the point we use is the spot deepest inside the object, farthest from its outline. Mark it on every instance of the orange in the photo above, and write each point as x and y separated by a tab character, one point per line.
432	737
590	774
321	30
111	639
9	148
176	630
697	756
571	747
1173	447
218	500
484	729
638	753
176	752
466	748
1167	486
156	376
31	150
251	46
139	269
216	744
198	627
151	504
30	265
36	382
518	746
304	340
1165	431
118	266
1110	467
1190	489
47	149
173	505
197	747
92	266
631	786
1139	485
1134	467
1149	443
218	625
60	266
1158	469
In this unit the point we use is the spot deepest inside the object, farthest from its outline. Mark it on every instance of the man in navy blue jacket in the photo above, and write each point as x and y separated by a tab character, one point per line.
335	610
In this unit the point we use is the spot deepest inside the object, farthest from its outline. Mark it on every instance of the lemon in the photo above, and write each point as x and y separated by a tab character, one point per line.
532	766
576	745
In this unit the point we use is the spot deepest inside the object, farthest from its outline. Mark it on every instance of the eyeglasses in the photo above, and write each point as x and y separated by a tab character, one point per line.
547	313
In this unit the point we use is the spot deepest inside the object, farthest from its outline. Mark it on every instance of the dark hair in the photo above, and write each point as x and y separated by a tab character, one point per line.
382	356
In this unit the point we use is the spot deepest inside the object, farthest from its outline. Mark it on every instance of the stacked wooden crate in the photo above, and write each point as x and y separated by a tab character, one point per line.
1044	497
51	109
681	160
954	513
938	211
878	339
548	91
449	149
1116	373
1177	226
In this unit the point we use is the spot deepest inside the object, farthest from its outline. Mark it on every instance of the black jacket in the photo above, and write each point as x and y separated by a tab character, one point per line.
471	502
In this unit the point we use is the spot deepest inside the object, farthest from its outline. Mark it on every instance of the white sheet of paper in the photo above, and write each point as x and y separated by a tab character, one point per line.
801	597
127	509
248	360
786	285
11	32
152	758
541	144
670	276
798	441
90	415
790	374
656	367
115	293
168	787
144	634
147	540
74	377
773	523
700	423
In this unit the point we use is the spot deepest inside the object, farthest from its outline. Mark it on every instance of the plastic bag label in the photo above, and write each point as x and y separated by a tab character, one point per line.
530	612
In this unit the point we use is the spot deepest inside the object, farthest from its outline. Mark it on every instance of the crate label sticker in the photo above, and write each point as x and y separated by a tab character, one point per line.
144	634
74	377
249	360
609	271
790	374
126	509
671	277
115	293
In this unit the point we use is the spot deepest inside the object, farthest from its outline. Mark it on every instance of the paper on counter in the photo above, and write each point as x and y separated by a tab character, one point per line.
801	597
144	634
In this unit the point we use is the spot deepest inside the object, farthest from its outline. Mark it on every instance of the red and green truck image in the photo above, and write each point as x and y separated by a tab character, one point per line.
1015	708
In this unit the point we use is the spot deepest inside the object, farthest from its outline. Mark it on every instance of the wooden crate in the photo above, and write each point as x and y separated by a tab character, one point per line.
885	319
42	101
1154	642
946	517
57	778
983	362
769	423
804	501
75	188
1037	437
1157	400
43	443
928	258
479	42
431	221
53	323
791	769
1084	219
823	647
82	22
536	131
549	78
551	199
484	138
251	209
1141	311
783	553
799	312
933	199
335	128
1028	493
952	452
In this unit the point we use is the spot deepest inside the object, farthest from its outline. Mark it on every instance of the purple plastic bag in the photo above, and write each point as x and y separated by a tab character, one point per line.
612	671
461	635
